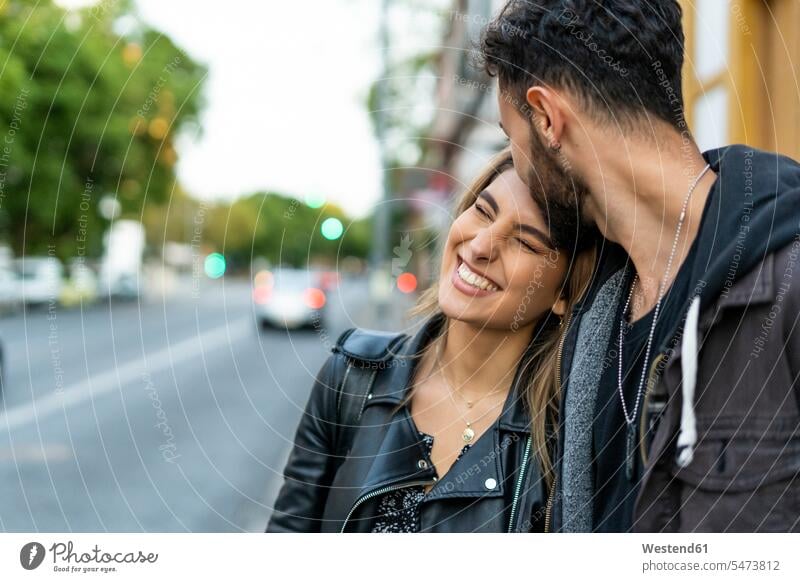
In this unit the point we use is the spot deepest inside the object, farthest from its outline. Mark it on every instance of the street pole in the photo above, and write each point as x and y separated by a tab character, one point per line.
380	286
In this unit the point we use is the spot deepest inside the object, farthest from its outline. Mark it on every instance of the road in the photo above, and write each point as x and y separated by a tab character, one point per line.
161	416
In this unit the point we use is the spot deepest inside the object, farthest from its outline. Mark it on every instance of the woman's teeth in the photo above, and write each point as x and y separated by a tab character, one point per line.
474	279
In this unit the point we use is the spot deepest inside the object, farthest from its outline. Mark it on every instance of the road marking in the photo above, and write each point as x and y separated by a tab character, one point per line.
105	382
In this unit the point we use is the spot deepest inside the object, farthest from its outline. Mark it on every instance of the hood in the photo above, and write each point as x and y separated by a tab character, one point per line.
752	210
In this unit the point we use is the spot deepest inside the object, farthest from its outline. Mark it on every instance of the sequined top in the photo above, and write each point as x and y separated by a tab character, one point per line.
398	510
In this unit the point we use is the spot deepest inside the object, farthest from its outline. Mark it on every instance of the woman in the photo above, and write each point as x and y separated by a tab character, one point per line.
448	430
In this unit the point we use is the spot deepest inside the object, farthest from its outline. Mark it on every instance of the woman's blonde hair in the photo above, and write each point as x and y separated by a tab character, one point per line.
539	373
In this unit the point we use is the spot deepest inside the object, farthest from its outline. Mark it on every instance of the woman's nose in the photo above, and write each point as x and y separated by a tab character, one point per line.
484	245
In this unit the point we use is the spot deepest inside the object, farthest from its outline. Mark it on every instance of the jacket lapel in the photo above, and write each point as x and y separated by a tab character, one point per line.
398	448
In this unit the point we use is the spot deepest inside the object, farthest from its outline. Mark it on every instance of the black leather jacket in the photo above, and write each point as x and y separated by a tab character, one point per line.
495	487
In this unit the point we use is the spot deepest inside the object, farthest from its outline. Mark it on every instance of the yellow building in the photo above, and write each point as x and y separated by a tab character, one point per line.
741	82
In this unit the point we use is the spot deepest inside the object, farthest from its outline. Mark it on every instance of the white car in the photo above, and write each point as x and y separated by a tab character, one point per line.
40	279
9	290
81	286
288	298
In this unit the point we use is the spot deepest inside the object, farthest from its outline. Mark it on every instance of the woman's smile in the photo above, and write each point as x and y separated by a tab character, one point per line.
471	283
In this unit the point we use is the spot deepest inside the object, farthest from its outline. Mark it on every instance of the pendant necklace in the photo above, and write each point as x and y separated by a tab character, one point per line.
469	432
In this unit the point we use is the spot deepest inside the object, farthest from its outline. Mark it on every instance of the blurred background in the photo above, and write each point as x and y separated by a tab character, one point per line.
196	199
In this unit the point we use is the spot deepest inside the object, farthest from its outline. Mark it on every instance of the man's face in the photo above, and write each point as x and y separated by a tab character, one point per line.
558	192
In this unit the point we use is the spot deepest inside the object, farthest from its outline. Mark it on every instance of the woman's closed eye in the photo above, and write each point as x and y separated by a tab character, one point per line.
481	210
528	246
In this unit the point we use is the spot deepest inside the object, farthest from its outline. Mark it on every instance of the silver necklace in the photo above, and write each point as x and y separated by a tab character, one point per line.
631	418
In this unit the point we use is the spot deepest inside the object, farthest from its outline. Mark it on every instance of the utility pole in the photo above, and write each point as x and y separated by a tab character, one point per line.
380	281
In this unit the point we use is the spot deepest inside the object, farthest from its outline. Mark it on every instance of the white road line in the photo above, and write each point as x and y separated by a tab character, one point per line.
105	382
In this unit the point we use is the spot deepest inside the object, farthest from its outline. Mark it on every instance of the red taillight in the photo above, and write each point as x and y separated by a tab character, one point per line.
261	294
407	282
314	298
329	280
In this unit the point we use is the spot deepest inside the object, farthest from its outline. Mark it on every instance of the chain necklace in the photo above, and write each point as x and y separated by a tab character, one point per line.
440	367
631	418
469	432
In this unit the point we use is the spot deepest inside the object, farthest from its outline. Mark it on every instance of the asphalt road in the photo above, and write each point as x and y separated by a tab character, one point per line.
171	415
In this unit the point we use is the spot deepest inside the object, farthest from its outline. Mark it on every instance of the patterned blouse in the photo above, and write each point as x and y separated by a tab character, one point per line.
398	510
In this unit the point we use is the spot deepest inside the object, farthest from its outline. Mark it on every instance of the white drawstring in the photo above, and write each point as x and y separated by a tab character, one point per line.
687	438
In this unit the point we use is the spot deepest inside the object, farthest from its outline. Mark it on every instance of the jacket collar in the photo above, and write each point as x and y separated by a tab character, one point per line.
396	383
395	454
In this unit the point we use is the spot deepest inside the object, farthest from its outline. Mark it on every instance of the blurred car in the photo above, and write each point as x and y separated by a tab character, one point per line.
2	369
9	290
328	280
121	264
288	298
40	279
82	285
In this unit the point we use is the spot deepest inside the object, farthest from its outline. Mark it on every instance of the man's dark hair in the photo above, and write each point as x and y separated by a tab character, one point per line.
621	58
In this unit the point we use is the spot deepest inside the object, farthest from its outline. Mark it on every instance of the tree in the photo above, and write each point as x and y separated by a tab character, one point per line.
87	112
281	229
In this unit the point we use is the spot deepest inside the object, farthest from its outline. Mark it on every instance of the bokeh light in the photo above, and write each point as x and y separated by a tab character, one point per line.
315	200
314	298
264	279
332	228
407	283
215	265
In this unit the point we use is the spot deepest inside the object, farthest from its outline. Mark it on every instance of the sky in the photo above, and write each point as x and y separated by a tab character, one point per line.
285	95
286	91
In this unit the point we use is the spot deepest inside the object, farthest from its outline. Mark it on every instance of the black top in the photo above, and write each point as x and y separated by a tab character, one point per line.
615	492
398	510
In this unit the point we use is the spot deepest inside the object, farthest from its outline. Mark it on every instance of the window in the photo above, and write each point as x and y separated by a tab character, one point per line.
742	73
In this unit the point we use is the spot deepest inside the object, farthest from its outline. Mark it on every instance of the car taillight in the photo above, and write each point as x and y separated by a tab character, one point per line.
329	280
314	298
261	294
407	282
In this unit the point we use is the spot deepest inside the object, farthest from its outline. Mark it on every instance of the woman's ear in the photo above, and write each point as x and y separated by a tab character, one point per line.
560	307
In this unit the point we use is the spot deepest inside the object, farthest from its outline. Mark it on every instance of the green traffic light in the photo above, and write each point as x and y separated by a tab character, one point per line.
332	228
215	265
315	200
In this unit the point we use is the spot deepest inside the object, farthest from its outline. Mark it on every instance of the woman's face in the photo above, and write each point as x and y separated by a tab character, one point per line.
499	269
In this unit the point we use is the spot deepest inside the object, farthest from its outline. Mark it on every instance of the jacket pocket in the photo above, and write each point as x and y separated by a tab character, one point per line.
745	477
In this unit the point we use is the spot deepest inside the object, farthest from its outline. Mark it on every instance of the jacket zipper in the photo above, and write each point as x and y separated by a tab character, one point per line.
519	484
549	510
388	488
647	395
380	491
561	350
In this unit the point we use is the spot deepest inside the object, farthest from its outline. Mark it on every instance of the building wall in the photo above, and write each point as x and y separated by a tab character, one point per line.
465	132
741	82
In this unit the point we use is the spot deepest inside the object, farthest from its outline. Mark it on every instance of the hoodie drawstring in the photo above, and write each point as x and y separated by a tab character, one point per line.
687	438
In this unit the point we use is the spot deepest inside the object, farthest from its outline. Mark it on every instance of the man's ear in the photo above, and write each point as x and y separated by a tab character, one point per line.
560	307
549	113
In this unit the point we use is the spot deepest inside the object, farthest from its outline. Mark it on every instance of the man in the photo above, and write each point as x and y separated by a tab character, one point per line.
680	398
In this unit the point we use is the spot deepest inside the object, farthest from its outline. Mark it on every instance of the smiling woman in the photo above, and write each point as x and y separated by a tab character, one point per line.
477	382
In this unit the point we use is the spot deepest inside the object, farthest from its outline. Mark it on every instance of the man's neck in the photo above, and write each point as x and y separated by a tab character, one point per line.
638	193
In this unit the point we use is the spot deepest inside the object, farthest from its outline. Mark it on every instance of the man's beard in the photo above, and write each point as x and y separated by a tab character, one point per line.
560	196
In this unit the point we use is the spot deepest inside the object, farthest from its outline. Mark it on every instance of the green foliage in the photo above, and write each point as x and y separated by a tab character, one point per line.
279	228
86	112
284	230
